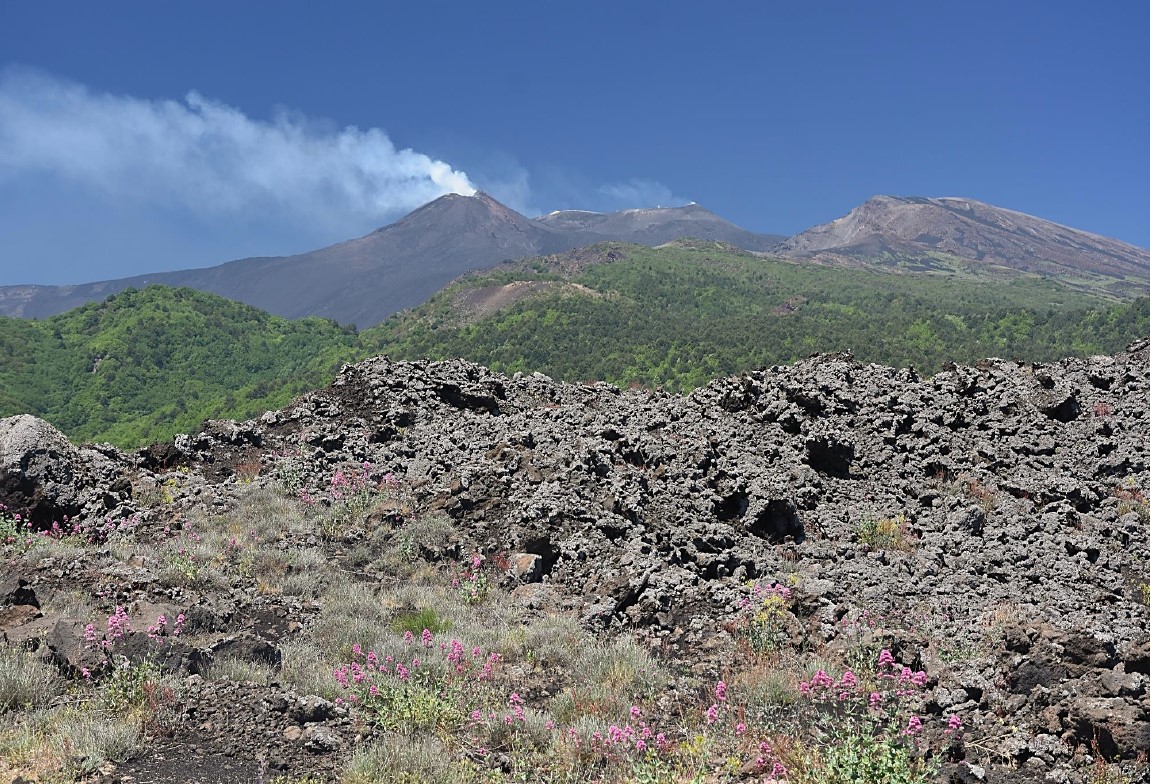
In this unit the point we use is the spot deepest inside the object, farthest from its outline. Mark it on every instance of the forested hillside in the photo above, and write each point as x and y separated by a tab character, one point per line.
681	316
145	365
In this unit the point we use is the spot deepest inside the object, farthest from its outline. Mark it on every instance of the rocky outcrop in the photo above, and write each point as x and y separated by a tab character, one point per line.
45	479
1017	491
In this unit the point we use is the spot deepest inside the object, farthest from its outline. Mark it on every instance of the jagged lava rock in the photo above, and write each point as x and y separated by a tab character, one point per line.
1015	496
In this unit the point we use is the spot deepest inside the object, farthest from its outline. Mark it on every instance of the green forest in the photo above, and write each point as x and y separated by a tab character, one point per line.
145	365
678	317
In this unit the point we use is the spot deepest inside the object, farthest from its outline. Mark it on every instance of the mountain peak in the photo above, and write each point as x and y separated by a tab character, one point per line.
938	233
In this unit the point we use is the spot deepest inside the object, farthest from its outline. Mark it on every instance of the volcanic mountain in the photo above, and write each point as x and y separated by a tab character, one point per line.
365	280
949	235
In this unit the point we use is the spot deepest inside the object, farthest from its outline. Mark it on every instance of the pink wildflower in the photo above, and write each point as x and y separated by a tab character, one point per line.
821	680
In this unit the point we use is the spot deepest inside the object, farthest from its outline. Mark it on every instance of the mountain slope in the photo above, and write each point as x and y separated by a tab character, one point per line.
685	312
660	225
359	281
365	280
951	234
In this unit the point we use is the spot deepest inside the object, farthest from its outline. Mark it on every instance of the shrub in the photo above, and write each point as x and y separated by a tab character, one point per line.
889	533
84	739
406	760
856	755
415	621
764	617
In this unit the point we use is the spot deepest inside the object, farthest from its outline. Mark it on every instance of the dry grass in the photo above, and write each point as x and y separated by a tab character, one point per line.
231	668
554	641
304	668
64	744
25	680
407	760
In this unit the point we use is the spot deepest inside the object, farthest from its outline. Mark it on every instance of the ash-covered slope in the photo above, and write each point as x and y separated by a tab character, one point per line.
923	233
659	225
989	523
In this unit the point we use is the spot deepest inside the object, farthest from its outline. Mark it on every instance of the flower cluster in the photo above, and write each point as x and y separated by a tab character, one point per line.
15	531
764	616
368	674
350	494
118	627
632	738
823	686
886	703
90	532
473	583
766	760
159	630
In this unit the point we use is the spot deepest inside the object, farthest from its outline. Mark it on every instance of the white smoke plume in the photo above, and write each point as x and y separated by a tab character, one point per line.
212	159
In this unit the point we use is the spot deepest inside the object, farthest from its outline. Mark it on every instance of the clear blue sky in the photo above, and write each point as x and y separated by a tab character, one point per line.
142	136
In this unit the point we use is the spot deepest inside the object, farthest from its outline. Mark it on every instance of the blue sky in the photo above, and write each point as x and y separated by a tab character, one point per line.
137	137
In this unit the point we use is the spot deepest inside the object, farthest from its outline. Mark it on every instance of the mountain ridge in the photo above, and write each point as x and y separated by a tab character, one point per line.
364	280
961	234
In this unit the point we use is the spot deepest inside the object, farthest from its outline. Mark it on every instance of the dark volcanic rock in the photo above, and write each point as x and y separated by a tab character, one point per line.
1001	478
1002	505
45	479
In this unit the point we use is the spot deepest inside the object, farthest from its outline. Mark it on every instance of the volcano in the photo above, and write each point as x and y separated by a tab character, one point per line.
365	280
